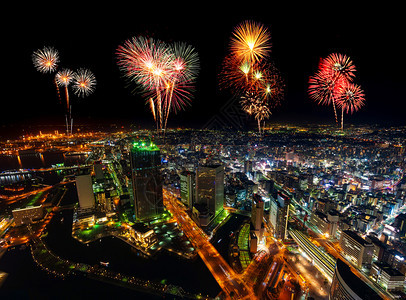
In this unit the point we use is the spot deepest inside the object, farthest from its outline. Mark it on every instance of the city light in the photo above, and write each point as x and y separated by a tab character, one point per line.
240	185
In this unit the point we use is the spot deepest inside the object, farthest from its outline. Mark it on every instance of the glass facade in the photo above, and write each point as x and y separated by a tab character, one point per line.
210	188
147	180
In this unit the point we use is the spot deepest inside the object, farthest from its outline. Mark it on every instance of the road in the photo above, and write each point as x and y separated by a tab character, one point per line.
228	280
225	276
325	263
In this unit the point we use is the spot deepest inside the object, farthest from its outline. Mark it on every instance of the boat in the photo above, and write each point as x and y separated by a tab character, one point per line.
106	264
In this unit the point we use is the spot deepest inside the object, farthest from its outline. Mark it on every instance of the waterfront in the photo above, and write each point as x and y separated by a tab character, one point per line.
27	281
164	267
38	161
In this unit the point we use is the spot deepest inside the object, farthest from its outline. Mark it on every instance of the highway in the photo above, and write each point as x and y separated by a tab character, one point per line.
228	280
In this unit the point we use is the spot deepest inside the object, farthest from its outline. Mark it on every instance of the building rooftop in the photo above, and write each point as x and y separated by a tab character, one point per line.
356	237
145	146
358	286
388	269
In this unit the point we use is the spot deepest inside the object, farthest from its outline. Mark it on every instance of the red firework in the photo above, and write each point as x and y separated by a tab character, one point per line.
332	84
350	97
164	74
334	71
338	65
324	85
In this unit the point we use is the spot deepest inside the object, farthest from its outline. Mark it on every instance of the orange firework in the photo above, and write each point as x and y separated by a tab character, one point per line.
250	41
248	72
45	60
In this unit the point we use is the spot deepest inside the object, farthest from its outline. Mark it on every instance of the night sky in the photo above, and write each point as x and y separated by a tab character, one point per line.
88	37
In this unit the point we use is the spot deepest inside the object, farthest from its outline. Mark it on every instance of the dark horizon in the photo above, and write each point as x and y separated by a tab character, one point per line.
299	39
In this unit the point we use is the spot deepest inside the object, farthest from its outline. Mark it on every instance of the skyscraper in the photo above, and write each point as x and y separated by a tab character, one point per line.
145	160
257	215
247	166
210	188
279	214
84	188
187	188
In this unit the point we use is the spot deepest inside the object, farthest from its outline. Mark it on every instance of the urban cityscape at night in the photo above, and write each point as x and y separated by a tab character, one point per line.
204	153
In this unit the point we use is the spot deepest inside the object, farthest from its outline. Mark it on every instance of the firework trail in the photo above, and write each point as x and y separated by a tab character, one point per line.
165	74
46	61
147	62
185	68
332	85
249	74
350	98
63	79
256	105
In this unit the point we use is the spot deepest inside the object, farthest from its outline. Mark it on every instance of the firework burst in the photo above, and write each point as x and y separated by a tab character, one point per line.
250	42
256	105
46	60
248	72
332	85
84	82
64	77
337	66
165	74
323	86
350	97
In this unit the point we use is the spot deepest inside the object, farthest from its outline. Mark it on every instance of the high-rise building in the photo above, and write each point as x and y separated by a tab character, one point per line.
188	188
358	250
257	215
400	224
210	188
279	214
84	188
247	166
325	223
346	285
145	160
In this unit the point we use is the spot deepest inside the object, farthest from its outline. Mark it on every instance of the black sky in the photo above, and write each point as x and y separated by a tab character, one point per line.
89	36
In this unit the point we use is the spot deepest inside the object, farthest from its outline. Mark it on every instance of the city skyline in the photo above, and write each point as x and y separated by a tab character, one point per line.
284	177
299	40
290	206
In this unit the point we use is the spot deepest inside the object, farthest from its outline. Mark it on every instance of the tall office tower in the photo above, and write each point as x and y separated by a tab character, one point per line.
145	159
346	285
257	214
210	188
188	188
279	214
247	166
400	224
84	188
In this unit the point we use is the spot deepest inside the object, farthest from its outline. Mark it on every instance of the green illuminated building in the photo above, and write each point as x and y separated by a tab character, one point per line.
145	159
